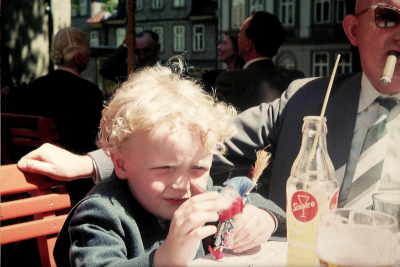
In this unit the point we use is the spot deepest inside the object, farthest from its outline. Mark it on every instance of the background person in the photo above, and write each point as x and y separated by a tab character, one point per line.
227	53
260	81
73	103
147	50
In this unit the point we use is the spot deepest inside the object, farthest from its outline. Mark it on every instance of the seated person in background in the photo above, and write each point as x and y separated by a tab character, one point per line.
227	53
161	132
73	103
115	67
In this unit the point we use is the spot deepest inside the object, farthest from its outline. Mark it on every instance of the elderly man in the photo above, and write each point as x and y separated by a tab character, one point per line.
357	102
260	81
147	49
353	108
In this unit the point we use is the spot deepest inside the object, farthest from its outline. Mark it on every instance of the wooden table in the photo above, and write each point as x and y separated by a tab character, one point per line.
271	253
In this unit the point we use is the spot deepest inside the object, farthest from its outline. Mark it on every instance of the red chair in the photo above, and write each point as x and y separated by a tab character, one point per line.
32	206
22	133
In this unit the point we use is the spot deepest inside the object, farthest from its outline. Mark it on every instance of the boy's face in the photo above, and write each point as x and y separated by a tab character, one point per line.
164	169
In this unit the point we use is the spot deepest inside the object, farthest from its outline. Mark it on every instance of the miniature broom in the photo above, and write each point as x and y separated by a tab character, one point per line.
262	162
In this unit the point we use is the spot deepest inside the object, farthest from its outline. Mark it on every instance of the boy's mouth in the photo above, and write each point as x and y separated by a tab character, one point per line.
176	201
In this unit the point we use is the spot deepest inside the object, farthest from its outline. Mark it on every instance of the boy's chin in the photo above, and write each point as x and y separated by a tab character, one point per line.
167	215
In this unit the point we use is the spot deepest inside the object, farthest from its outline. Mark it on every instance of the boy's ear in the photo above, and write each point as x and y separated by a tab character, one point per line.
119	164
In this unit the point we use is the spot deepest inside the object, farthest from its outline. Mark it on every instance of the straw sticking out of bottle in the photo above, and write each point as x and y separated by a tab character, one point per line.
312	151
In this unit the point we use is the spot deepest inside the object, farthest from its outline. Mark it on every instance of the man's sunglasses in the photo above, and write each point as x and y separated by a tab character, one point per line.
385	16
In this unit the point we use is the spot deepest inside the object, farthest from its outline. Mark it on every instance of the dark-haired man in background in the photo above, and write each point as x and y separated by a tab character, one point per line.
260	81
147	49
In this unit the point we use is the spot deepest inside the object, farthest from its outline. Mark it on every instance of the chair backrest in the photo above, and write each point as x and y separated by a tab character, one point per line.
23	133
33	206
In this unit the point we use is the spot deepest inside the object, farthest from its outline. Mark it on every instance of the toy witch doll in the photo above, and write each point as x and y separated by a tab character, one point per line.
233	198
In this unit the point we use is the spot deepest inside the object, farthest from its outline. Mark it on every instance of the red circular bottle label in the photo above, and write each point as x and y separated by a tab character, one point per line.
334	200
304	206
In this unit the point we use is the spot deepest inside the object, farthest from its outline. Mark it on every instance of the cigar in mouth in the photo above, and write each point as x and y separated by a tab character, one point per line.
388	71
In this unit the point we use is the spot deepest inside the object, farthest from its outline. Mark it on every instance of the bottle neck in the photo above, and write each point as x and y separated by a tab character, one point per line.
313	155
314	136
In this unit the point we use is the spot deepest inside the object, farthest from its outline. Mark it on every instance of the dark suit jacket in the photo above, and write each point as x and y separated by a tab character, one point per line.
115	67
279	125
260	82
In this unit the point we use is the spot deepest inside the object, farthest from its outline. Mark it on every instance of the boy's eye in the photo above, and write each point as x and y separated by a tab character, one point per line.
198	167
164	167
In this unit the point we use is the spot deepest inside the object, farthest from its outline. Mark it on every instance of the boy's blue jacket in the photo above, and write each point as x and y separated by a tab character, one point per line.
110	228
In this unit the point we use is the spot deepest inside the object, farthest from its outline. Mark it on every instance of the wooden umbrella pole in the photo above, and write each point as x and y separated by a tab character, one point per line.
131	36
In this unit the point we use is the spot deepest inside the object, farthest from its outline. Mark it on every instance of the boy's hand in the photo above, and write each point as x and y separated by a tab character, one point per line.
57	163
252	228
187	229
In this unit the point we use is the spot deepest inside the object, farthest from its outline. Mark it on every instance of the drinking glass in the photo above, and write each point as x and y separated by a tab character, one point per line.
389	202
356	238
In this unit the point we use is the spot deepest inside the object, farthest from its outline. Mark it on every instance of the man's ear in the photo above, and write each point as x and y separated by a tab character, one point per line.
249	46
158	48
350	28
119	164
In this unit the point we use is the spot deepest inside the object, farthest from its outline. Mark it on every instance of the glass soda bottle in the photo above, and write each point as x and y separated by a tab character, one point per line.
310	189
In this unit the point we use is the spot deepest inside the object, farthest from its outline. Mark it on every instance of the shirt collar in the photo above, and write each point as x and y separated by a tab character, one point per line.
254	60
369	94
70	70
157	64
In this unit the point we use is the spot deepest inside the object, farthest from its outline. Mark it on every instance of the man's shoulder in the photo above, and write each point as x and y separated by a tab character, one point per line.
353	79
316	86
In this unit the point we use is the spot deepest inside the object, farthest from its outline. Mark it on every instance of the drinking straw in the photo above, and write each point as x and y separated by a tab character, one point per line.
313	148
328	91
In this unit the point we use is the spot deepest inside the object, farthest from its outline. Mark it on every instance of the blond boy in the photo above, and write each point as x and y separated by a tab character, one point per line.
161	132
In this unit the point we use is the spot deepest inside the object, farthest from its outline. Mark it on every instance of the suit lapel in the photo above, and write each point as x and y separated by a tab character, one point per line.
341	114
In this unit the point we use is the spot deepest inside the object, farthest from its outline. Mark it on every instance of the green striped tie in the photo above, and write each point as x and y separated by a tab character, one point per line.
373	155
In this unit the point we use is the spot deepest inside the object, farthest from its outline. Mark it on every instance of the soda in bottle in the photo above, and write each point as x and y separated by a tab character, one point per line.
310	189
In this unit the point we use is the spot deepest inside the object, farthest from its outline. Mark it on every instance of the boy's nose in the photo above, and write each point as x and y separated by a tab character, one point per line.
181	182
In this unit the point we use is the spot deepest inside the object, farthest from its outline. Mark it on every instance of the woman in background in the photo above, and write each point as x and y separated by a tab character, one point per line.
74	104
227	53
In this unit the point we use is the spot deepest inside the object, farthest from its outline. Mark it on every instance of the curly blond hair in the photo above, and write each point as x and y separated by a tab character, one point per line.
162	96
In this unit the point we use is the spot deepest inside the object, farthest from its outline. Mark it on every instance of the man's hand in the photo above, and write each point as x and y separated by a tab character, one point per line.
187	229
252	228
57	163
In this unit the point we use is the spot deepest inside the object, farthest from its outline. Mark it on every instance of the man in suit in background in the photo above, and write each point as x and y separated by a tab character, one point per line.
147	52
260	81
